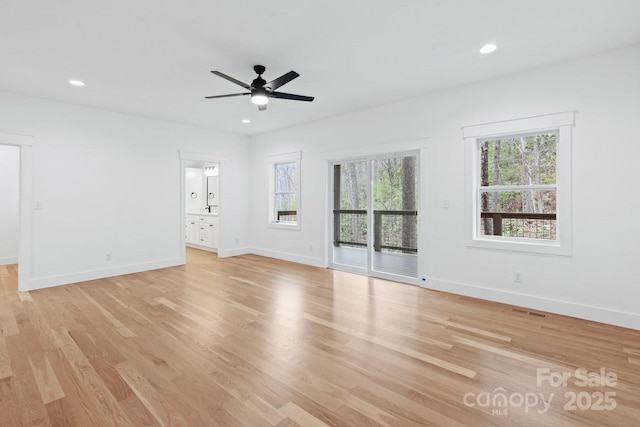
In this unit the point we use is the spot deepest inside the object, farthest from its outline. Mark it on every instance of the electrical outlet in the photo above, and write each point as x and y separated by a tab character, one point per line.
517	277
107	256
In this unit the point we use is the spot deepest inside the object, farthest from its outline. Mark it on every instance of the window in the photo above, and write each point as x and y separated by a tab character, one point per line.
284	179
519	184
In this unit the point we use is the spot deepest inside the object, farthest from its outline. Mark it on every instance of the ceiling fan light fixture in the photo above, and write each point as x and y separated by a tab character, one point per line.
259	97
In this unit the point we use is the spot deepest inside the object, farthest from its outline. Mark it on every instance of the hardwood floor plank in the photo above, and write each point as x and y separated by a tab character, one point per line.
300	416
162	410
22	384
5	362
400	349
46	380
124	331
104	406
8	325
252	341
103	357
73	409
10	408
139	413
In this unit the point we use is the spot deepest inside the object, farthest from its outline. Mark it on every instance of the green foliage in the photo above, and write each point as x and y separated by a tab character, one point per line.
390	176
524	161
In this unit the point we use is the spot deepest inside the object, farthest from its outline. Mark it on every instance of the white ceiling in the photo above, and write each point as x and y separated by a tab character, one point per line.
152	57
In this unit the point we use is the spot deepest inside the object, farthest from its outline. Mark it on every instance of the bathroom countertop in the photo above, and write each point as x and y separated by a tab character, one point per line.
202	213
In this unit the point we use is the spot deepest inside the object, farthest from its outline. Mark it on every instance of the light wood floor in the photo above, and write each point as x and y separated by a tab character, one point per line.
251	341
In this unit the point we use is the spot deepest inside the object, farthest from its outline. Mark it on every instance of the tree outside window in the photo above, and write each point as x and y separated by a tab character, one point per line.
518	186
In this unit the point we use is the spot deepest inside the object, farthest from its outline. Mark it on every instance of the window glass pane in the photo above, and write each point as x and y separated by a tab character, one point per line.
530	214
530	201
353	186
286	202
523	160
394	203
286	177
353	229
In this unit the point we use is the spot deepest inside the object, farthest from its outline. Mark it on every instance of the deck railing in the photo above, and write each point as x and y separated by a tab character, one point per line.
290	216
350	228
519	224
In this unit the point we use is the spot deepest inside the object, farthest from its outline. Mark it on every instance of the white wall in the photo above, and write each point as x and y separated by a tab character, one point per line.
110	183
597	282
9	185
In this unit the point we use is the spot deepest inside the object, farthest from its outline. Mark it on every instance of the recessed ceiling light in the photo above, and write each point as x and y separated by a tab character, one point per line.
488	48
76	83
246	121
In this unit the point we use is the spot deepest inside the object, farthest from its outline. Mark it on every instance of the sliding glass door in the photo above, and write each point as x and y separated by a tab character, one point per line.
375	217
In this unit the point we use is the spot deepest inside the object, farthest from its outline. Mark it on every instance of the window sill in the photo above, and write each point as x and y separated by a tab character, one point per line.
521	245
284	225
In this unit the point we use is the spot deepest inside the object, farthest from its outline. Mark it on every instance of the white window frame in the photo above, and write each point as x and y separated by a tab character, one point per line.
562	124
272	161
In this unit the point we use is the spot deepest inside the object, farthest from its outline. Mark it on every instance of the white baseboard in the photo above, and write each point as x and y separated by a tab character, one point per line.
8	260
286	256
202	248
83	276
565	308
233	252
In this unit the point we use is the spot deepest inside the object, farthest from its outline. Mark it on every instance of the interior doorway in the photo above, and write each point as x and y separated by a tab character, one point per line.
374	223
23	145
201	203
9	204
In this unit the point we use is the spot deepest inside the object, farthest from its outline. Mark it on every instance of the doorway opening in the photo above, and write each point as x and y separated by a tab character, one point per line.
9	204
374	223
201	204
16	176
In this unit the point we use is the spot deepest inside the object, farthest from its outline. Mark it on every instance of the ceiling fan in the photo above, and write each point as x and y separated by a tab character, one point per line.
260	90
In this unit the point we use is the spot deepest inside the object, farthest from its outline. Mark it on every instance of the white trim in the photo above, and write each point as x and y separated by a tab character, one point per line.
285	157
83	276
513	126
551	305
202	157
8	260
286	256
369	151
560	123
12	138
233	252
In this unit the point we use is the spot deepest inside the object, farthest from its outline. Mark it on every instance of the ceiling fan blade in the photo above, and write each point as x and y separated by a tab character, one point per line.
231	79
262	107
283	79
227	96
291	96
